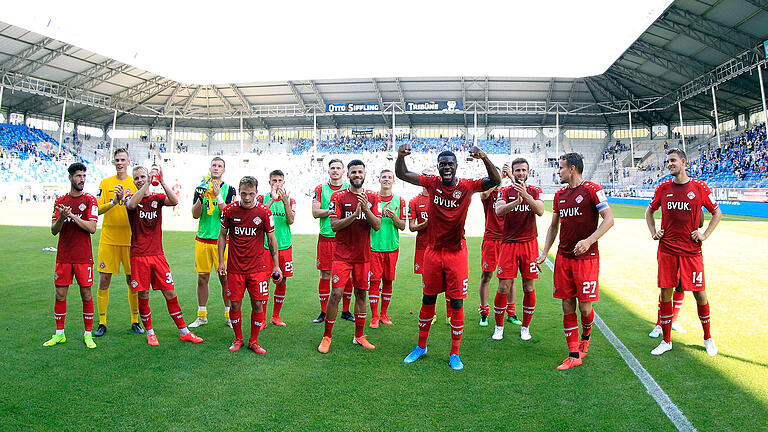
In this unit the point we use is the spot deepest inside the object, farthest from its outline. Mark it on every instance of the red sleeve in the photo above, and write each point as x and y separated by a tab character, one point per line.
656	201
707	197
317	194
427	181
477	185
293	205
55	210
93	209
502	195
555	207
160	198
334	209
411	208
373	198
225	217
269	223
598	196
402	206
535	192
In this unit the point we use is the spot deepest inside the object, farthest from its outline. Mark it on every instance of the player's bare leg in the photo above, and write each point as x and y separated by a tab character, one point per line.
665	318
332	311
702	305
360	315
324	293
571	331
485	282
529	306
500	307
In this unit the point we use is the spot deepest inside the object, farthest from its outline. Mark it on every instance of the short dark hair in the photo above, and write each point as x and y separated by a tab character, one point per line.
276	172
330	162
446	153
386	170
120	150
219	159
75	167
679	152
249	181
574	160
355	162
519	161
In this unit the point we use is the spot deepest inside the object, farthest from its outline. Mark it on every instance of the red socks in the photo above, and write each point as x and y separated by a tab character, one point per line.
145	313
586	324
529	305
60	313
235	317
257	322
347	298
175	311
704	318
324	293
329	327
386	296
571	330
665	317
677	303
87	314
457	328
499	307
425	322
511	309
373	299
279	298
360	324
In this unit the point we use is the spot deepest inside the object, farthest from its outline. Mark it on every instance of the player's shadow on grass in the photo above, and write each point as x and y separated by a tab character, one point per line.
698	347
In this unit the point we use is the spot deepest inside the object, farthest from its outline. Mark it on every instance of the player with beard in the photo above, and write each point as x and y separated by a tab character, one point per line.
679	255
577	207
321	198
446	266
74	220
353	213
518	205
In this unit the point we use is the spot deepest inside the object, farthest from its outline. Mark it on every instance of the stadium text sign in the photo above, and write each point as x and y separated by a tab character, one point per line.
448	106
352	107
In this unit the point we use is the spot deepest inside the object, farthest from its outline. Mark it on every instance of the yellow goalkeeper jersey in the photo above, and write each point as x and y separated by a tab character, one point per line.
115	229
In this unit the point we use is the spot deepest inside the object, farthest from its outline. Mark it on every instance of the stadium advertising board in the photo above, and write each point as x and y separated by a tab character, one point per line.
352	107
447	106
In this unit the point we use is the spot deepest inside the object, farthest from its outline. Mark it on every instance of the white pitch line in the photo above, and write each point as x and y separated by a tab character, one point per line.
671	410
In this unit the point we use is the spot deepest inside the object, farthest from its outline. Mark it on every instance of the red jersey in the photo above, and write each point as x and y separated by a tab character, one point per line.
75	243
353	243
494	225
681	213
520	223
417	209
247	230
146	222
579	209
447	210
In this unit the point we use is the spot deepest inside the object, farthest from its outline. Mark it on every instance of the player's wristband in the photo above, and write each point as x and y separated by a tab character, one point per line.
219	199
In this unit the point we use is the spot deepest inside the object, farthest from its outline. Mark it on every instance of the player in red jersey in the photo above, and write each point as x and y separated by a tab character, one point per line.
247	223
148	264
321	198
74	220
353	212
446	267
577	266
489	252
518	204
418	218
680	260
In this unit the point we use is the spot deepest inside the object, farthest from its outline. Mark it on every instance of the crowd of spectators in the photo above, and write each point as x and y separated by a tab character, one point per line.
614	150
745	156
370	143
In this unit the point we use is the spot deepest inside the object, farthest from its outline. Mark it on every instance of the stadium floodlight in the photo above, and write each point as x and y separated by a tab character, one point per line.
236	42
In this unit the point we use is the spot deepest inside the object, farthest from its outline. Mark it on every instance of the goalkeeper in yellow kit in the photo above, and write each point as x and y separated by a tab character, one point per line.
115	240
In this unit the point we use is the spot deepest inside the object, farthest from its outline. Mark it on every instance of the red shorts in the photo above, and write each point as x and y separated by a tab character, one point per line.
418	261
285	261
325	246
256	283
685	272
446	270
154	270
65	272
521	256
359	272
489	254
577	278
384	265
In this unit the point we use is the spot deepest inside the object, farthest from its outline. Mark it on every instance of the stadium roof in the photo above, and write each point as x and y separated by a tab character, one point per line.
692	46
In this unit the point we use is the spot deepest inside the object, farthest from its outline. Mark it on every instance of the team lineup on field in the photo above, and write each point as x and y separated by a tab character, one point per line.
247	242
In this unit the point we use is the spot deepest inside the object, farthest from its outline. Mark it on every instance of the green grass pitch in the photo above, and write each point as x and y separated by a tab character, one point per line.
125	384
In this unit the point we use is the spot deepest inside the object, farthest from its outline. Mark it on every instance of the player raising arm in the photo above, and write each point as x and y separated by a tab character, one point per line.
577	265
446	266
74	220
